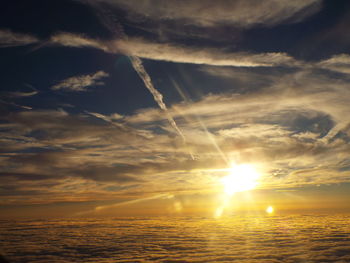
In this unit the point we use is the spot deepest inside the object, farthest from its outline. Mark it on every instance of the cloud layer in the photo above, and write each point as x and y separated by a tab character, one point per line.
305	238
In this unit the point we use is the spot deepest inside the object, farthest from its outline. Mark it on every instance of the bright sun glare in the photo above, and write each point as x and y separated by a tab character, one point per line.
242	177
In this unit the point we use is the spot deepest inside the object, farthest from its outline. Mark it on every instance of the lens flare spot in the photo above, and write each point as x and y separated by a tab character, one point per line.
269	210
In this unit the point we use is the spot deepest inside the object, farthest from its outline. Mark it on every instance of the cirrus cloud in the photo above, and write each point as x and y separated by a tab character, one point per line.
82	82
9	38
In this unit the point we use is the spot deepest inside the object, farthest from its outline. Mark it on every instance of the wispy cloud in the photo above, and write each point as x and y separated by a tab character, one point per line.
82	82
195	55
21	94
173	52
9	38
177	53
338	63
75	40
207	13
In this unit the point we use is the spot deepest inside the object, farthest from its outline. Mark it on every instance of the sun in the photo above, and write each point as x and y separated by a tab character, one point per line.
242	177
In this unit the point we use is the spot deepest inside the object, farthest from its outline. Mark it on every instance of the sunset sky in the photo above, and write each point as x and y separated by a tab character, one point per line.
136	107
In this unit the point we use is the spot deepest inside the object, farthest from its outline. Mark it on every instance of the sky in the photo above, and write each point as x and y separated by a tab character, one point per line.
128	107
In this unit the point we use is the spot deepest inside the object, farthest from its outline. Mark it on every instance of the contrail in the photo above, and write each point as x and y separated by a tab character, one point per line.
126	203
158	97
112	23
15	104
161	196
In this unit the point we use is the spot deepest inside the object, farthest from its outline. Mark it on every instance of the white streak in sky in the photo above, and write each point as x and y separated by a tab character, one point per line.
16	105
126	203
135	201
158	97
